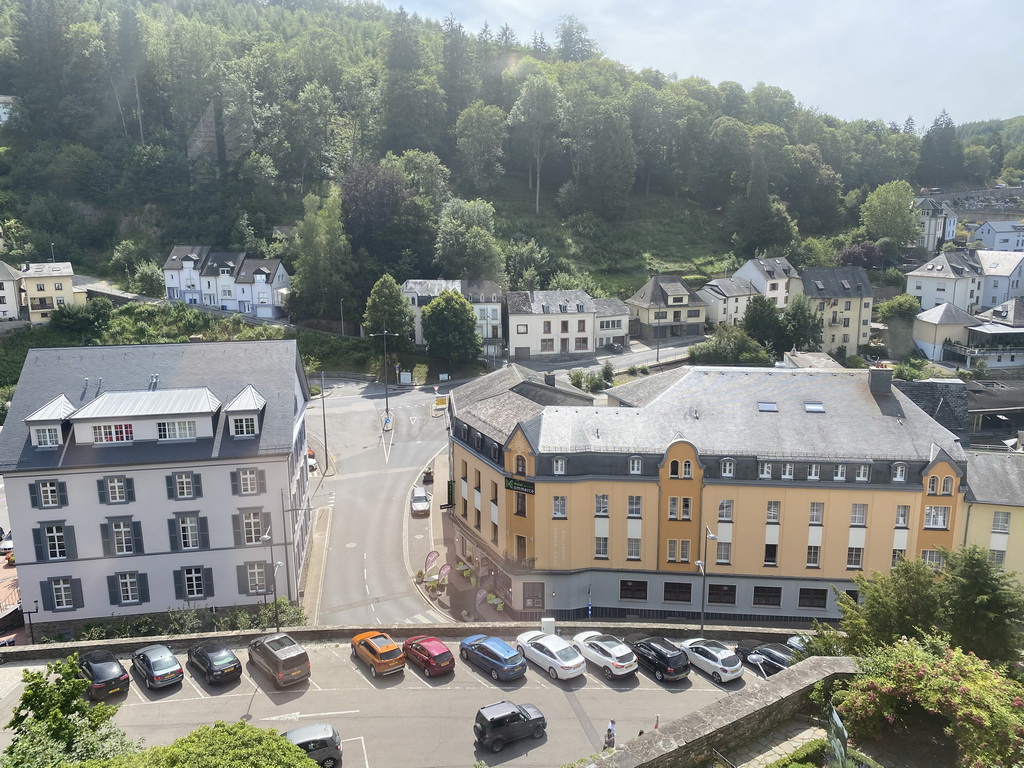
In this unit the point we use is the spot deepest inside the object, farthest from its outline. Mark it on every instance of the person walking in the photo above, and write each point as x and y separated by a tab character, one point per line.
609	739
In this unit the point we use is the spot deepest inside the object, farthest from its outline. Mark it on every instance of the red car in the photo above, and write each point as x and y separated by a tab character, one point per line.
429	654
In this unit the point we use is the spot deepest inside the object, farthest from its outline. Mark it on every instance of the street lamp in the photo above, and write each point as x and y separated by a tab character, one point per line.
29	615
277	608
385	333
51	253
708	536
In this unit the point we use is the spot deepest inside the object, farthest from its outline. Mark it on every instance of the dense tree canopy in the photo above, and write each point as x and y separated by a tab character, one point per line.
449	326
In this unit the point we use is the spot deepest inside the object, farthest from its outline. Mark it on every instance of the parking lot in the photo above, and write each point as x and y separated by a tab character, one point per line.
406	719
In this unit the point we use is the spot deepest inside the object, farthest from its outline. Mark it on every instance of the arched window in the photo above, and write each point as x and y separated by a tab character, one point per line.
728	467
947	486
899	473
558	465
636	465
687	469
933	485
673	469
520	465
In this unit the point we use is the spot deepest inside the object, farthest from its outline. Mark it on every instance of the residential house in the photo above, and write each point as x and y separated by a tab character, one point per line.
786	482
842	297
954	277
231	281
995	506
1001	235
612	317
775	279
666	308
419	293
998	339
549	323
995	410
486	296
727	299
10	296
1002	277
936	223
935	327
146	478
46	287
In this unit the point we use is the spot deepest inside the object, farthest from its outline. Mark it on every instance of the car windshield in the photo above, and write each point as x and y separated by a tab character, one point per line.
513	659
567	654
163	663
729	661
280	642
418	499
624	657
394	653
221	655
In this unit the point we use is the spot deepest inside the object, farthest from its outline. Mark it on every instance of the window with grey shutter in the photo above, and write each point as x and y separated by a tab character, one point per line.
48	494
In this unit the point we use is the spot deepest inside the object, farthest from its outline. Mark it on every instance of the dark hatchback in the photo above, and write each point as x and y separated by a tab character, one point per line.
775	657
106	675
215	660
662	657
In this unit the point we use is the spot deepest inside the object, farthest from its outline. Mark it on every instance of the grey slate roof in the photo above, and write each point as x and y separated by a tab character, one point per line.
7	272
179	252
999	263
948	314
251	267
1005	226
481	291
533	302
728	287
950	265
610	307
945	400
217	260
1008	313
226	368
836	282
995	396
996	477
657	291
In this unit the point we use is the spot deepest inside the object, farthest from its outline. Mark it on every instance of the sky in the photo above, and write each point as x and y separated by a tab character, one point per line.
870	59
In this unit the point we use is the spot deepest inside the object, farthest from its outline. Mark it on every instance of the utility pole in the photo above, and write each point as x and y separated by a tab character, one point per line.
387	409
342	317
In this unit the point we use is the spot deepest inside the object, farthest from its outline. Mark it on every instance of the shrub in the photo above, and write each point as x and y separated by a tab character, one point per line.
632	370
644	370
608	372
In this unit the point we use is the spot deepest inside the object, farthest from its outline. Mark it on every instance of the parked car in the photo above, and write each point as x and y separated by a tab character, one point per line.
157	666
773	657
280	657
493	655
379	652
499	723
312	466
662	657
420	503
106	675
607	652
7	543
215	660
320	742
713	658
561	660
798	643
429	654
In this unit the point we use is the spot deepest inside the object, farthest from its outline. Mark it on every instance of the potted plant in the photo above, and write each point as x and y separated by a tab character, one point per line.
419	576
432	591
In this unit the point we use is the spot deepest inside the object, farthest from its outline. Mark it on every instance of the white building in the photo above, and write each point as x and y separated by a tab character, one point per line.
231	281
549	323
952	277
10	296
145	478
1003	275
1001	235
936	222
727	299
612	318
486	296
773	278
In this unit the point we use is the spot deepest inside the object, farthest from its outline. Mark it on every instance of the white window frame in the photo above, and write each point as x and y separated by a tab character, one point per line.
601	547
998	558
193	583
248	481
636	465
933	485
47	437
128	587
774	512
723	553
854	558
1000	522
672	554
559	507
947	486
899	473
632	548
600	505
684	551
63	599
188	530
49	493
243	426
113	433
673	507
56	542
902	515
176	430
936	516
558	465
787	470
933	558
117	490
687	470
863	473
252	526
814	471
839	473
813	556
764	470
725	511
256	575
122	537
728	467
184	485
634	507
817	513
858	514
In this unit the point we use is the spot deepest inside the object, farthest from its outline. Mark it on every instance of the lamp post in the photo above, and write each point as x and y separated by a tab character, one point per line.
387	410
342	317
277	608
708	536
51	253
30	614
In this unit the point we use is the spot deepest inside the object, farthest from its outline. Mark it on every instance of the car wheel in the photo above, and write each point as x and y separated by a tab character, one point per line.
251	659
328	762
716	677
551	671
538	732
608	673
522	651
353	651
209	678
426	671
497	745
659	674
464	655
149	684
494	674
373	671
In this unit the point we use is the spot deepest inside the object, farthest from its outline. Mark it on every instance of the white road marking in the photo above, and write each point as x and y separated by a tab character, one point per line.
297	715
195	687
323	570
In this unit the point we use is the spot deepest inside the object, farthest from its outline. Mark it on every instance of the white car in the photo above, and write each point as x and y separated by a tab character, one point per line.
420	503
607	652
713	658
561	660
7	545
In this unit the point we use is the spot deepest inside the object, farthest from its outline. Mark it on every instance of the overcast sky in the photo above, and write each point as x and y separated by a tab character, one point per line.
874	59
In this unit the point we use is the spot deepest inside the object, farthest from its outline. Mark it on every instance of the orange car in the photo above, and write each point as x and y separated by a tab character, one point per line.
380	653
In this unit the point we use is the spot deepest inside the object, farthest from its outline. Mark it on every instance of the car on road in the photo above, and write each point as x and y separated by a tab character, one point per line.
493	655
429	654
379	652
607	652
713	658
215	660
774	657
552	653
106	675
321	743
662	657
499	723
312	466
420	503
281	657
157	666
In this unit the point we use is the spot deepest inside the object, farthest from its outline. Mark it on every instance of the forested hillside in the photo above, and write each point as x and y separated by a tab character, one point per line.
394	143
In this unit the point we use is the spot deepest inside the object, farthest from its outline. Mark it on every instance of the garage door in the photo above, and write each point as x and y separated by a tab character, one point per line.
522	353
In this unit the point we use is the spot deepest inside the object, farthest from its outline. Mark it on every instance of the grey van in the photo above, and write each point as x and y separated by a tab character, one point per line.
280	657
320	742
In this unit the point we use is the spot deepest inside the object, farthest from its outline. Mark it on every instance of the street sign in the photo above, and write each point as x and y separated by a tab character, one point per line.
441	402
519	486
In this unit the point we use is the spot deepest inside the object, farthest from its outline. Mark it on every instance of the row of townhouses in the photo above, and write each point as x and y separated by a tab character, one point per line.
229	280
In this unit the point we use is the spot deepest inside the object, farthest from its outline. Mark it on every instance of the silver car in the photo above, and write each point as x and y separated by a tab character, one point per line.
320	742
561	660
607	652
420	503
713	658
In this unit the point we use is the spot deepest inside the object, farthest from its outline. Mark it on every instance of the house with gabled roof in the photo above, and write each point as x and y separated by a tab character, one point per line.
1001	235
553	324
997	338
843	298
1002	276
486	296
774	278
936	222
666	308
10	296
48	286
952	276
727	299
939	326
233	281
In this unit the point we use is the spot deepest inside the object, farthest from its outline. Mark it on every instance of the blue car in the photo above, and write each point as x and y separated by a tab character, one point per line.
494	656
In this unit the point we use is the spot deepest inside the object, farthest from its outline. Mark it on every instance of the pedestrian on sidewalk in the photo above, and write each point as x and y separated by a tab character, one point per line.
611	726
609	739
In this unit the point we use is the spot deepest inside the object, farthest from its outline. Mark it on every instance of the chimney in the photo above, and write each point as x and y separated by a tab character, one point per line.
880	381
549	379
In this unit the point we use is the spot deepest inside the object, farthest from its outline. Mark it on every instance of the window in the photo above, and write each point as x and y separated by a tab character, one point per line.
56	548
673	507
520	465
193	583
175	430
123	537
722	594
728	467
862	473
251	522
998	558
813	598
902	515
840	473
767	595
547	326
632	590
693	313
858	514
581	326
678	592
601	547
255	578
61	594
673	469
933	485
521	504
787	471
243	426
521	328
936	517
673	551
601	505
814	471
813	556
933	558
47	437
854	558
188	528
533	594
558	466
817	512
723	552
764	470
687	470
774	511
248	482
636	465
947	486
771	554
725	511
1000	522
581	342
184	485
632	549
49	493
547	345
128	588
565	325
899	473
765	406
558	509
112	433
634	506
684	507
897	555
116	493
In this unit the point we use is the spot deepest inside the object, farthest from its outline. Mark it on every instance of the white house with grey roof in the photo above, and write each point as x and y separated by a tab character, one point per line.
549	323
774	278
936	222
145	478
486	296
727	299
10	298
233	281
1001	235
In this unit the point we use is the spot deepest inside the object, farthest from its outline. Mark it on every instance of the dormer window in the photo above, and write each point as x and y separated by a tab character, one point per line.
728	467
225	271
636	465
559	465
176	430
899	473
243	426
46	437
112	433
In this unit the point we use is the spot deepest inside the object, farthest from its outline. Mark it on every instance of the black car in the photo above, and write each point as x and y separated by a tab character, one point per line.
106	675
775	657
215	660
664	658
502	722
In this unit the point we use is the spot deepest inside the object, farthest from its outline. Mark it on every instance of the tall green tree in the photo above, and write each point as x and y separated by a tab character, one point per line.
898	314
801	325
760	218
762	323
449	326
387	310
573	40
730	345
942	153
413	102
324	259
466	246
536	115
888	212
480	134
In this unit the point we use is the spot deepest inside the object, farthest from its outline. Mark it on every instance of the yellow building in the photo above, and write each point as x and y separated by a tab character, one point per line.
842	297
46	287
995	506
783	482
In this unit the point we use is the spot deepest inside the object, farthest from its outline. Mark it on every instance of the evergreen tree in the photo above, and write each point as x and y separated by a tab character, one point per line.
449	326
942	153
536	114
387	310
480	133
762	323
801	325
324	263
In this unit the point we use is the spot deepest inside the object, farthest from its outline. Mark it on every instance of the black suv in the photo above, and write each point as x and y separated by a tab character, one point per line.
664	658
497	724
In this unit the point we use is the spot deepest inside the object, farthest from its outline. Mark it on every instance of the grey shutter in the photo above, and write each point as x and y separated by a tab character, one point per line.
261	479
204	533
197	486
108	549
174	534
170	486
234	484
243	579
129	488
77	598
33	495
270	578
70	543
179	585
137	536
236	529
101	489
46	595
266	525
114	589
207	582
62	494
143	579
37	541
